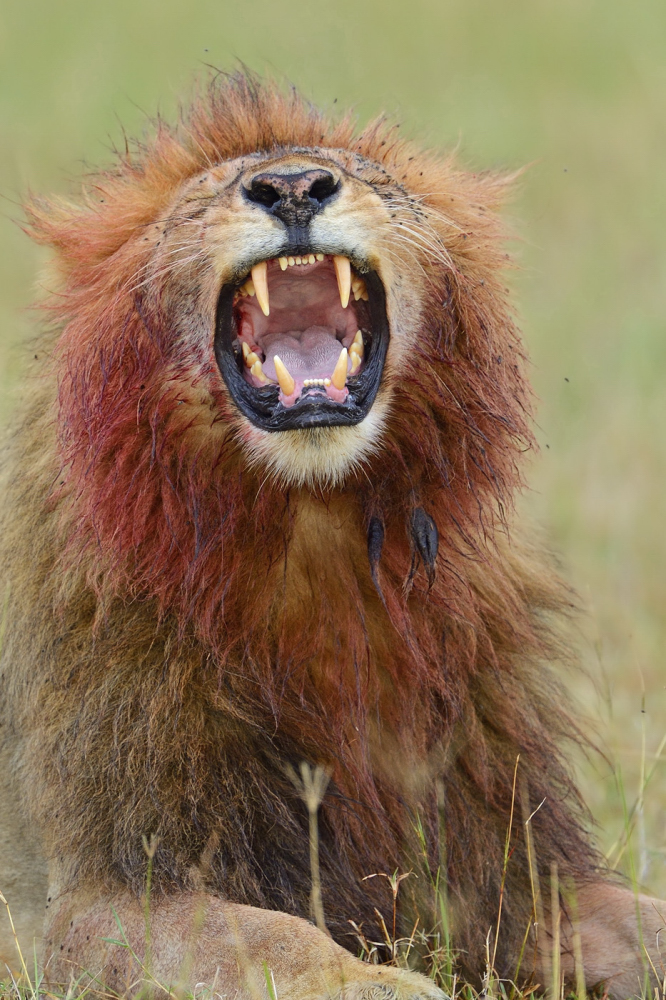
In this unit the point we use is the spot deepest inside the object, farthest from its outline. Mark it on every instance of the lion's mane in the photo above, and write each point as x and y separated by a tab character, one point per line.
179	627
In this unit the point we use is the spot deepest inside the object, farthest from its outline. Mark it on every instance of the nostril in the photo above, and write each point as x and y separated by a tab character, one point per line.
323	188
263	194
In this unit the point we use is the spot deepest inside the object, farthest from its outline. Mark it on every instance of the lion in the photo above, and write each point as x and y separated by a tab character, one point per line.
257	520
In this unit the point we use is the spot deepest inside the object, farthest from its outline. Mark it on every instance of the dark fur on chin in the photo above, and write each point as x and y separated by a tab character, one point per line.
154	686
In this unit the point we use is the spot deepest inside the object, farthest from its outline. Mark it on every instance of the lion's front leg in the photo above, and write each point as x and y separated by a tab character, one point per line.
619	937
200	939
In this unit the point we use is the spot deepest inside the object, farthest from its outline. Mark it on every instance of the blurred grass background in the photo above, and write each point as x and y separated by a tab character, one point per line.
577	88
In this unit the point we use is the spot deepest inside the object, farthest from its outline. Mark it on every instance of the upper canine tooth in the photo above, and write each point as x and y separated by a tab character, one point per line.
260	283
339	376
343	274
285	380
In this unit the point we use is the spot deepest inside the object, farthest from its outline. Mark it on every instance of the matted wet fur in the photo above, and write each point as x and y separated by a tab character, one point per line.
194	605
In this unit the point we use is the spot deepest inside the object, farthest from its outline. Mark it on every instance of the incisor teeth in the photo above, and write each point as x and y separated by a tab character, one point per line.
260	283
339	376
291	261
258	371
283	262
343	274
319	256
285	380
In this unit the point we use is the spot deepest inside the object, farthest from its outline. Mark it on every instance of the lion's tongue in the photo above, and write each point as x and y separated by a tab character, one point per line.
311	353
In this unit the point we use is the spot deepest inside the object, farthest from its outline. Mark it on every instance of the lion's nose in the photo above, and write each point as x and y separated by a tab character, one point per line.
293	198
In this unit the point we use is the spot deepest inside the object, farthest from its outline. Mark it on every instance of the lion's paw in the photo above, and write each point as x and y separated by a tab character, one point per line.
371	982
400	986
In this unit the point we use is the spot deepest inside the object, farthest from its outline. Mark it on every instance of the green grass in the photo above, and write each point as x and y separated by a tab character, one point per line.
574	88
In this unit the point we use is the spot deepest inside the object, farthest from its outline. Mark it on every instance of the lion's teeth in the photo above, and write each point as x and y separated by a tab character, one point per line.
339	376
285	380
283	262
251	358
258	371
359	289
343	274
319	256
245	348
356	352
260	282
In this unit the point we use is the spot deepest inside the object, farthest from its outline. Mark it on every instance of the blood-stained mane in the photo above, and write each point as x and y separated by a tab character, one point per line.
215	622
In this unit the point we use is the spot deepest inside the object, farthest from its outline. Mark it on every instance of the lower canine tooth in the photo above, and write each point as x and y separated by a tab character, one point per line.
258	371
285	380
343	274
339	376
260	283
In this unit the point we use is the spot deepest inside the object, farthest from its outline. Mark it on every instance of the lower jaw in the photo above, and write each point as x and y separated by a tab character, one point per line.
316	457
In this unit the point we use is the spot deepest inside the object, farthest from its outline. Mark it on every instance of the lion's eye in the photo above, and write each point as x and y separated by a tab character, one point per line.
308	334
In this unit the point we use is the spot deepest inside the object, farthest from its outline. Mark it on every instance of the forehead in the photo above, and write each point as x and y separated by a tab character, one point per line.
293	159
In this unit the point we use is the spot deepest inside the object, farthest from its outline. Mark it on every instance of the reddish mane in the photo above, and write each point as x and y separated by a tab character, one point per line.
160	520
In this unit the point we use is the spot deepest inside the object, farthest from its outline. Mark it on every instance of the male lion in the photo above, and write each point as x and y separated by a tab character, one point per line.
257	514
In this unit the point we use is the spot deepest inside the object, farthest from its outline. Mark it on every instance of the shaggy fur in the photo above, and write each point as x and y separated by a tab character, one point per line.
182	624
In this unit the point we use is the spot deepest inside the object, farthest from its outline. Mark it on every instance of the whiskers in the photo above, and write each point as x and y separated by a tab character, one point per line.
184	253
412	227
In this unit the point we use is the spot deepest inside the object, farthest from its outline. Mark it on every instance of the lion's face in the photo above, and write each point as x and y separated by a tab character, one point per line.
303	295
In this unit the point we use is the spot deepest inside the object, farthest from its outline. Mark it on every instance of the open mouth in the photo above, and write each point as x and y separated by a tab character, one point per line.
301	341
